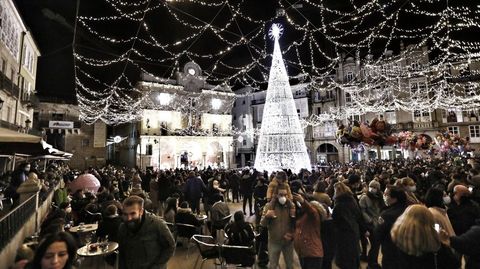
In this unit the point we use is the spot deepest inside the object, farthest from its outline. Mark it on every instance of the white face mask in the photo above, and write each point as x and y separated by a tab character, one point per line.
447	200
412	188
282	200
372	190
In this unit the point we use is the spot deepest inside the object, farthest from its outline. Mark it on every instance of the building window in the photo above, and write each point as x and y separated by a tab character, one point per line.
349	77
85	142
454	130
234	117
4	65
244	142
319	110
57	116
298	112
474	131
421	116
243	102
9	113
348	97
12	75
329	95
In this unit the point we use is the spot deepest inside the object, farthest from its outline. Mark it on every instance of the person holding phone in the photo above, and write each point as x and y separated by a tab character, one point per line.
419	243
437	200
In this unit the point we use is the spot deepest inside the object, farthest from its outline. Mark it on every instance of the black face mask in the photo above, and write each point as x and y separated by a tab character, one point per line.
134	224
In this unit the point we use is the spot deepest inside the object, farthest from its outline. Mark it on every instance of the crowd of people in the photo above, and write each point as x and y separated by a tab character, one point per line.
389	213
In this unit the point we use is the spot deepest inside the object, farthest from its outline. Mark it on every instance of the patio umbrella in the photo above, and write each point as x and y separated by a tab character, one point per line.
85	181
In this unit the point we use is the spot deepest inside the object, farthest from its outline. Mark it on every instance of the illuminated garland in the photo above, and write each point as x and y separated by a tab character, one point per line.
353	30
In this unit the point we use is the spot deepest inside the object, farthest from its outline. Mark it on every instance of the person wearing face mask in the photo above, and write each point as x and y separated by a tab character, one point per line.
410	188
279	221
371	204
144	239
462	210
396	201
19	176
437	201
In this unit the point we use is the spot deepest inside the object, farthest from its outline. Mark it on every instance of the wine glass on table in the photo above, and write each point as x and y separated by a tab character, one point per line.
87	237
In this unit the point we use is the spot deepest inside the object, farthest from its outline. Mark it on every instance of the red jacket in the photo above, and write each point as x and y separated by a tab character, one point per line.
307	239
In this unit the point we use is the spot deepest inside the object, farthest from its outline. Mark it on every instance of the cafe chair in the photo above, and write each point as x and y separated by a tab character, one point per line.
91	217
208	248
219	225
185	231
238	256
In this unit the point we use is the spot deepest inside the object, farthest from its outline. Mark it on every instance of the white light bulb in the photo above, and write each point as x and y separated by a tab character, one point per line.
164	98
216	103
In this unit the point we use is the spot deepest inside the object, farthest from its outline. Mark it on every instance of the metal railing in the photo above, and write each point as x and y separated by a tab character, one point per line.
11	223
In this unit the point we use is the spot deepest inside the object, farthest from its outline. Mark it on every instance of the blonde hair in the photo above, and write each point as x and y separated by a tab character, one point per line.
341	188
404	182
414	233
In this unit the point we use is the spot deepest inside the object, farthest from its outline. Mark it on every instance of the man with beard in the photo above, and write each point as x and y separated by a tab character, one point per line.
144	239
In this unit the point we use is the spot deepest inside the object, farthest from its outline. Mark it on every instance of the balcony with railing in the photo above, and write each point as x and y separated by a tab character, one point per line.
8	86
258	101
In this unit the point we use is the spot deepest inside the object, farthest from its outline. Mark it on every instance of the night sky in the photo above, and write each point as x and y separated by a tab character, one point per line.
51	23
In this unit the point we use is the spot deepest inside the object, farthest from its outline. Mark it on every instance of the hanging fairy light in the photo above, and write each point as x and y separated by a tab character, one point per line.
445	31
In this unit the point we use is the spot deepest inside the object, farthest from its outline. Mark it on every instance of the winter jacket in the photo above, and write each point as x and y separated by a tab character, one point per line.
194	187
185	216
219	211
282	224
371	206
240	234
389	251
246	185
468	244
463	215
109	226
349	226
442	259
149	248
307	239
164	188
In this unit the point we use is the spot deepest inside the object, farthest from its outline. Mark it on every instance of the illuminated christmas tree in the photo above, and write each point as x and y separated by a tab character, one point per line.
281	143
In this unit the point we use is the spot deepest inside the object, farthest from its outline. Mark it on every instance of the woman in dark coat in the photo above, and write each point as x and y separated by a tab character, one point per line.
349	226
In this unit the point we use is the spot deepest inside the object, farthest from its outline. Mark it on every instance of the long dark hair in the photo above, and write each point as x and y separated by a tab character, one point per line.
50	239
171	204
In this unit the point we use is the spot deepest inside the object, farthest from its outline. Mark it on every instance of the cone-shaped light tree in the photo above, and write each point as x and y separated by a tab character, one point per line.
281	144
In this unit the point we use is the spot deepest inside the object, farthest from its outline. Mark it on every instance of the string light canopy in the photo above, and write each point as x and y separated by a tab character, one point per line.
434	44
